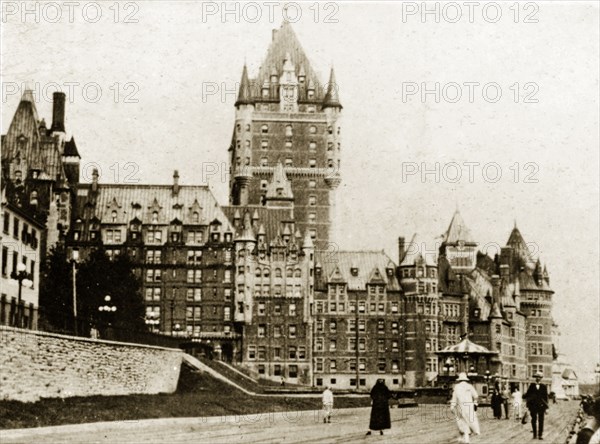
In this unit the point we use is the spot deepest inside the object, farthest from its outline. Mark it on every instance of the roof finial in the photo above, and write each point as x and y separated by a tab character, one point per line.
515	223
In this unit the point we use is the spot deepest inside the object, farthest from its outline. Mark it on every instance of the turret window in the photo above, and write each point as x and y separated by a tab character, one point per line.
195	217
312	163
312	218
288	144
264	162
248	127
264	145
265	128
312	201
154	217
312	146
288	131
312	129
288	162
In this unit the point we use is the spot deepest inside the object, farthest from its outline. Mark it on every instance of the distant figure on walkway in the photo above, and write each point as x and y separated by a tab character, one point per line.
537	403
505	400
517	401
282	381
496	402
327	404
380	410
464	407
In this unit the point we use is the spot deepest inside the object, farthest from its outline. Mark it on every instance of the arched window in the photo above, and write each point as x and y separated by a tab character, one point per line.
257	272
113	216
155	217
330	129
266	273
248	127
264	129
195	217
297	273
278	272
289	273
312	129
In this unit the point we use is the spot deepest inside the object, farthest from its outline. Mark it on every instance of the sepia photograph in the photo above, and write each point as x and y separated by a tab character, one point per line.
300	222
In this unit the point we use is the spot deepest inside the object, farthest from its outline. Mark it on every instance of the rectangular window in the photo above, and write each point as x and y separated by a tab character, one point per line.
16	228
262	328
292	310
6	223
292	330
332	345
292	352
5	258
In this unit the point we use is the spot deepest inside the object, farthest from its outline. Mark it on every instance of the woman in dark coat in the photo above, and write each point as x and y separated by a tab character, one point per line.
380	410
496	402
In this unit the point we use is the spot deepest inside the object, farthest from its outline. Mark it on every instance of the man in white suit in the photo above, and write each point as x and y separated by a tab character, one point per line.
464	407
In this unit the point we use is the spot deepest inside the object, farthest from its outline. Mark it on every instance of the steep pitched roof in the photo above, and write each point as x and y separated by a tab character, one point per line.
279	187
150	198
365	261
458	231
265	220
417	252
285	42
332	97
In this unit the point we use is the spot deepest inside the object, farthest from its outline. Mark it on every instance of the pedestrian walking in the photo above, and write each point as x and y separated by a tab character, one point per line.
537	403
496	402
464	407
327	404
380	410
505	400
517	400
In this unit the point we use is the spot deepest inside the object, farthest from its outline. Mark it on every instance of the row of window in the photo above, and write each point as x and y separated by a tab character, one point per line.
277	331
334	343
362	325
291	352
312	163
340	307
289	129
192	312
29	263
262	311
350	365
419	272
277	272
20	231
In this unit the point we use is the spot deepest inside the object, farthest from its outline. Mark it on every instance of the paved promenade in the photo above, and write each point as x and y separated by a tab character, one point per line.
420	425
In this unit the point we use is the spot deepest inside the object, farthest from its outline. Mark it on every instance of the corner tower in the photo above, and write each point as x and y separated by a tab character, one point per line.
286	115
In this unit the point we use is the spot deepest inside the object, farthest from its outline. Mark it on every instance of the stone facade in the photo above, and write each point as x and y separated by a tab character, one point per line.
36	365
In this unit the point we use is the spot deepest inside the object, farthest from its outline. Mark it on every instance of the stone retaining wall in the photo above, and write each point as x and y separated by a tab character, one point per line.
35	364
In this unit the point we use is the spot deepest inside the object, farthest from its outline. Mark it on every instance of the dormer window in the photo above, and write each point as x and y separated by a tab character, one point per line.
288	131
311	94
264	129
390	272
274	78
155	217
354	271
113	216
195	217
265	92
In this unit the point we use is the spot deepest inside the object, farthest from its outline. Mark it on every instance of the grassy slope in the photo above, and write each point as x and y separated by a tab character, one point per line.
196	395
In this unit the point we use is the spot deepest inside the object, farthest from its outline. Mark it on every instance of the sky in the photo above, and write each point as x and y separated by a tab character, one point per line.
492	110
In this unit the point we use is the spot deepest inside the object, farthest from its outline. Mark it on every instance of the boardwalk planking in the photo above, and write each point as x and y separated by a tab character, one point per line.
422	425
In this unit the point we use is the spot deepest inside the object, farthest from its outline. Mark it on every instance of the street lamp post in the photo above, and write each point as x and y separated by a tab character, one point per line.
74	260
21	276
109	309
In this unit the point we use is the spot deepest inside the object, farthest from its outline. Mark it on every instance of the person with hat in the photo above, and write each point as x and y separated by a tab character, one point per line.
464	406
537	403
380	410
327	404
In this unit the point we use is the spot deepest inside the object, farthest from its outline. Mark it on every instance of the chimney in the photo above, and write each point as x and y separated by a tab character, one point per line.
58	112
175	183
95	180
401	249
274	34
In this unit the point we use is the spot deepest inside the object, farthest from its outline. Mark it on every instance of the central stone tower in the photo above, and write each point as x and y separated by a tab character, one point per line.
287	128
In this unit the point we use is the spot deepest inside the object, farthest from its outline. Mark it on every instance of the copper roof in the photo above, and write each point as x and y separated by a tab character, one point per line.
123	199
371	266
458	231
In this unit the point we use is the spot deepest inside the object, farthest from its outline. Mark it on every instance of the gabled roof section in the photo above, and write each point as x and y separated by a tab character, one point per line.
157	196
365	261
71	148
375	277
279	187
458	232
336	276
